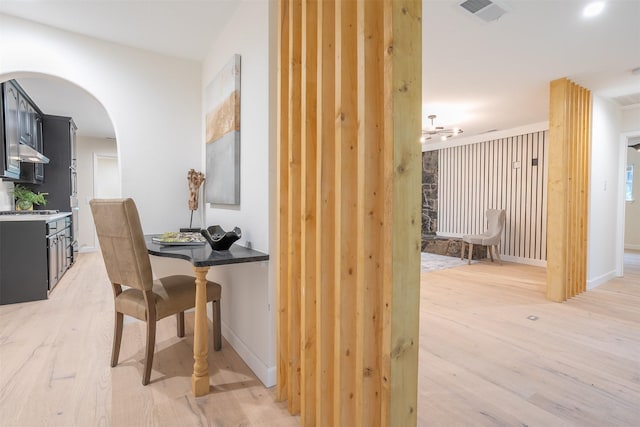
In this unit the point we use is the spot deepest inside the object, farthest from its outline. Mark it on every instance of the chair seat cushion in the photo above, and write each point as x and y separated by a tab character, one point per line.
475	239
172	294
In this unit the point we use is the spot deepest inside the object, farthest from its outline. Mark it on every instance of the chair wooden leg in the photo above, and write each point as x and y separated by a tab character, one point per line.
462	251
470	252
148	358
217	334
117	338
180	324
495	248
489	249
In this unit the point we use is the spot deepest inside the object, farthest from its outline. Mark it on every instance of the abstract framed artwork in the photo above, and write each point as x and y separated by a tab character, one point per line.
222	106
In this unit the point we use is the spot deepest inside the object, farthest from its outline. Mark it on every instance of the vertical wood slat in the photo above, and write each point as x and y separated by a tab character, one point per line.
371	109
282	333
402	172
578	190
586	162
294	235
309	210
568	176
570	255
348	306
347	190
325	256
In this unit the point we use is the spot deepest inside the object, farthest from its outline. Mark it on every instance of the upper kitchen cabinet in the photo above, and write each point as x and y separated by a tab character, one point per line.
30	135
25	115
34	172
10	156
22	136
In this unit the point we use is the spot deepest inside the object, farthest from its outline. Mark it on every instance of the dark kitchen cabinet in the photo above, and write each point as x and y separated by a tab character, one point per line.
21	124
34	255
24	272
30	134
59	138
10	159
33	173
25	117
59	249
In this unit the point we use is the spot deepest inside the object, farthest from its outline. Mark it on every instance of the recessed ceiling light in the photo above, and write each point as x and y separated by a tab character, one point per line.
593	9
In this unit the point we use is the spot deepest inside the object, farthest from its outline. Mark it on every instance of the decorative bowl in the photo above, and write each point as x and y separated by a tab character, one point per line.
218	239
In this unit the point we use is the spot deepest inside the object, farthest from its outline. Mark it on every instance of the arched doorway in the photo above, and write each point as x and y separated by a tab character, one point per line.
95	134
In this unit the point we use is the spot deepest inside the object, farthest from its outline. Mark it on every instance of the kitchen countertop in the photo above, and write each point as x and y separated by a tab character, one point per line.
33	217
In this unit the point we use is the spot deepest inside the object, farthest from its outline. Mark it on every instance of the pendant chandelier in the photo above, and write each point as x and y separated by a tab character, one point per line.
440	132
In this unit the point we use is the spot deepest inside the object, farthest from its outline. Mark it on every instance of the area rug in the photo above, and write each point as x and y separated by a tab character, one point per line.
431	262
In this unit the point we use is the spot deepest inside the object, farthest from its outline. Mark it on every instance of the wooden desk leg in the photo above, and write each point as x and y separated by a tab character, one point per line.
200	376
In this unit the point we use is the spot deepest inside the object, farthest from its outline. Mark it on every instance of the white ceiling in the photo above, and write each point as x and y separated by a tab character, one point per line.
477	75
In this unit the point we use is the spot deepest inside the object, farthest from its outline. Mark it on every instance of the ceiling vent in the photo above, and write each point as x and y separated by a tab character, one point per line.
484	9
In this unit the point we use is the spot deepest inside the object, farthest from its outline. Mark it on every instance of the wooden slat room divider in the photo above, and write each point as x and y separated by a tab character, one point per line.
568	194
349	172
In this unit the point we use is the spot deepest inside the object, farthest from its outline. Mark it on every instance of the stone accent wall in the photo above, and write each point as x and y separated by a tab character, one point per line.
429	194
430	242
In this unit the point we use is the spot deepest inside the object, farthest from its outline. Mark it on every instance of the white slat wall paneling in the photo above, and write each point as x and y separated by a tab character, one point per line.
474	178
508	184
532	202
544	190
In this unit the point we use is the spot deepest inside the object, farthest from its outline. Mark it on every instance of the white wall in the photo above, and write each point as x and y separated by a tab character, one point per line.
632	209
603	192
630	121
155	104
248	296
153	101
87	148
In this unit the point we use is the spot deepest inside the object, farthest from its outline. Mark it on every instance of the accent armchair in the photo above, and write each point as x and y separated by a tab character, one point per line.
135	292
490	238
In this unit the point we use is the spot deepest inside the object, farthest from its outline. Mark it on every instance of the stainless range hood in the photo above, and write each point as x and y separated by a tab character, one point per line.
29	155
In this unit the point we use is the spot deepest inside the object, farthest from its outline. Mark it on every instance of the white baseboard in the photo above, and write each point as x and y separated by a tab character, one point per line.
633	247
528	261
603	278
266	374
87	249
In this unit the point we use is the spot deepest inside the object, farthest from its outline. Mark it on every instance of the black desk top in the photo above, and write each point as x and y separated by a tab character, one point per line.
203	255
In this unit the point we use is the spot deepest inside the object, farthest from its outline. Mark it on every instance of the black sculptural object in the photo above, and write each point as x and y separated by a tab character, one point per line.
218	239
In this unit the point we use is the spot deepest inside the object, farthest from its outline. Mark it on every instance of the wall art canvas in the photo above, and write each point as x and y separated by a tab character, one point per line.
222	106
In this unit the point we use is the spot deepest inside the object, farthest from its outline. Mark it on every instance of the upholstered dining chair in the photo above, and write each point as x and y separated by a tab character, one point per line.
490	238
135	291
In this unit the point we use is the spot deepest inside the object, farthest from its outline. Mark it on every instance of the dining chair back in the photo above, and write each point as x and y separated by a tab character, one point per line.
135	291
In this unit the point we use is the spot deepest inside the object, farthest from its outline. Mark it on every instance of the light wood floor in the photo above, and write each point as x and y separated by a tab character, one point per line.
482	362
54	367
